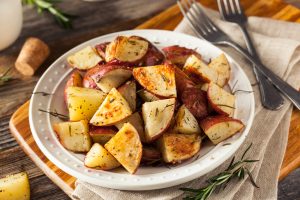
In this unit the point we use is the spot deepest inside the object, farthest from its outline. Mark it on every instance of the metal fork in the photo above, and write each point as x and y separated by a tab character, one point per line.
232	11
206	29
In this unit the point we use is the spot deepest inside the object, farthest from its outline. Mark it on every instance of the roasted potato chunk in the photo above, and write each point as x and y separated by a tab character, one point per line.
147	96
74	136
221	65
113	109
74	80
219	128
136	121
126	147
220	100
126	49
128	91
177	147
83	102
195	100
15	187
186	123
102	134
159	79
84	59
178	55
198	71
157	117
98	157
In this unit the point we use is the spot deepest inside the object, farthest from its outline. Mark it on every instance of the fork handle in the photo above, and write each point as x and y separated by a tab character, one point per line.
283	86
270	97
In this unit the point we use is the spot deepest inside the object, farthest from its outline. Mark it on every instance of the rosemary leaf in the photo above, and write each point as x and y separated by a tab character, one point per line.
55	114
4	77
234	170
251	178
63	19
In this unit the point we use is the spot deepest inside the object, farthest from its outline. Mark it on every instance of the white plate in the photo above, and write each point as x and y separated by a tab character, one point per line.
146	178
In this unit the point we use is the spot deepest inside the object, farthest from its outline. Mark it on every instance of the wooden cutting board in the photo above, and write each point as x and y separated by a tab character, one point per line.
168	20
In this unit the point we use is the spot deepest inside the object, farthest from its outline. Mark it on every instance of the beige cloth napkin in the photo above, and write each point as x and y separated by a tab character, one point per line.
278	45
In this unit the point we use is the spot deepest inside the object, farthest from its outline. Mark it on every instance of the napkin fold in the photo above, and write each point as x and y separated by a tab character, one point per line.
278	45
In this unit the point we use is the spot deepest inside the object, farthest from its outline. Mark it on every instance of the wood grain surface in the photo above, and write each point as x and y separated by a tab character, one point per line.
96	20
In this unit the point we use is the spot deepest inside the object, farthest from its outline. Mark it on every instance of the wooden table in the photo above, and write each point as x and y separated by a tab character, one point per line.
95	19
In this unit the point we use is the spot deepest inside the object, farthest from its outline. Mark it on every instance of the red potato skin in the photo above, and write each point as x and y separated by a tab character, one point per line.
150	154
105	69
178	55
74	80
192	73
153	55
183	82
195	100
101	48
97	130
96	73
210	121
88	82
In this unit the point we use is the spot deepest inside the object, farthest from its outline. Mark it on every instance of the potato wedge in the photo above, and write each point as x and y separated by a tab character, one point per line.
128	91
74	136
220	100
136	121
150	155
178	55
195	100
219	128
83	102
126	49
176	147
98	157
153	56
101	134
113	109
157	117
101	48
74	80
84	59
110	76
126	147
183	82
221	65
186	123
88	82
198	71
147	96
159	79
15	187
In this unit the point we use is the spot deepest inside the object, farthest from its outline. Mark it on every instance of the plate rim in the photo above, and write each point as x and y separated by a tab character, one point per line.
138	185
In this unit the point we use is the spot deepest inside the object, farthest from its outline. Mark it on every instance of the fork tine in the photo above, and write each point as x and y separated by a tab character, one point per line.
192	22
207	22
233	6
193	19
221	8
238	6
195	13
227	7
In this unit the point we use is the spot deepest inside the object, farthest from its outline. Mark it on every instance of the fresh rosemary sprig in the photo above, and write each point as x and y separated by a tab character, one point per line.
63	19
55	114
5	77
235	170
